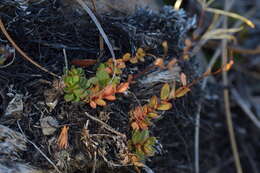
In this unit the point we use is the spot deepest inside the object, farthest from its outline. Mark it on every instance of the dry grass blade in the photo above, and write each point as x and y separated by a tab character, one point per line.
221	34
177	4
106	126
230	14
227	102
245	108
101	31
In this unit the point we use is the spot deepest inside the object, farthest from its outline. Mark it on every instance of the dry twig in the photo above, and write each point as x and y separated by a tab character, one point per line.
106	126
227	102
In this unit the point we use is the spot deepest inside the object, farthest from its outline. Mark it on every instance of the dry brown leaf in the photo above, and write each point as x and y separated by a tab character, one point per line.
63	138
159	62
83	62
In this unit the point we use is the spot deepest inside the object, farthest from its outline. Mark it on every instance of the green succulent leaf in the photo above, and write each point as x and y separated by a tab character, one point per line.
75	79
149	150
102	66
150	141
67	90
103	77
140	137
77	99
78	92
69	97
74	71
91	81
84	94
116	80
140	155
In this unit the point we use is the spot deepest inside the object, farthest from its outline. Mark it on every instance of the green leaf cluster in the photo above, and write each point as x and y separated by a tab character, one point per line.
76	85
103	76
142	144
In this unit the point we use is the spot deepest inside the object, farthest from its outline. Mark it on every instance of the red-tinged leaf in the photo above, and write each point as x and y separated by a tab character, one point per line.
165	91
110	98
93	104
120	63
100	102
143	125
122	87
145	109
183	79
108	70
180	92
83	62
159	62
164	106
135	126
153	102
229	65
138	113
108	90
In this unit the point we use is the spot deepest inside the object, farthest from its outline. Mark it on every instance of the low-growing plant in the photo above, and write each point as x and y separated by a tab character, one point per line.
95	90
106	83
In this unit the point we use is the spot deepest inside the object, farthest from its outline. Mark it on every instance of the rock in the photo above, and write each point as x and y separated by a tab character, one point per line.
11	142
15	106
8	166
48	125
